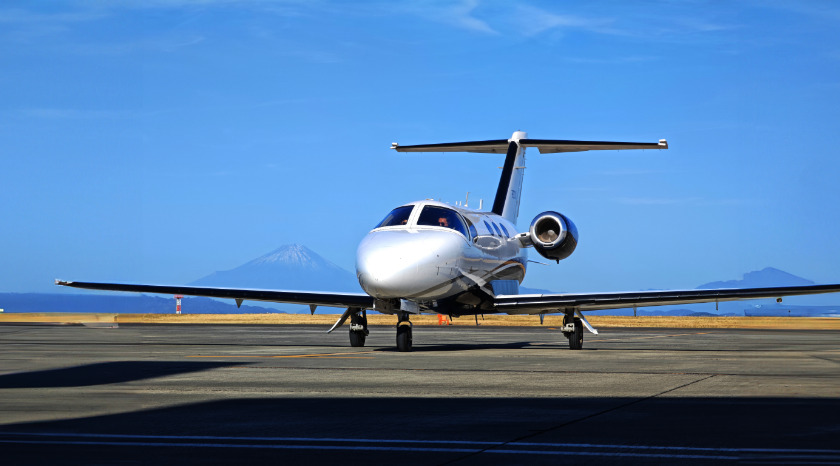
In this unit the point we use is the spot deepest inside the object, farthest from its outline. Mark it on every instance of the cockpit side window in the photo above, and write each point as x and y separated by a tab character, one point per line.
502	226
396	217
473	231
442	217
489	228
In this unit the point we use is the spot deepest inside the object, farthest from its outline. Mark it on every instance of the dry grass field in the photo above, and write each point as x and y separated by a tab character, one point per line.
815	323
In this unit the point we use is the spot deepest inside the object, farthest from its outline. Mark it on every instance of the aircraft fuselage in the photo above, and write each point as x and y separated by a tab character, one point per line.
428	252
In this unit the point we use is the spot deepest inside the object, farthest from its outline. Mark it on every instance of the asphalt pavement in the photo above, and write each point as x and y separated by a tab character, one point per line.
219	394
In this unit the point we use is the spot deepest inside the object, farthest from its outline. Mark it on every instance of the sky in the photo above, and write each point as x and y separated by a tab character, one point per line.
158	141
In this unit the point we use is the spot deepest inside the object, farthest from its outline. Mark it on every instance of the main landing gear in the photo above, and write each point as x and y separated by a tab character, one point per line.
573	330
358	328
403	332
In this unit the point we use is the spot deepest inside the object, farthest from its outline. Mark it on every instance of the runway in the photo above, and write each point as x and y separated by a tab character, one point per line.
217	394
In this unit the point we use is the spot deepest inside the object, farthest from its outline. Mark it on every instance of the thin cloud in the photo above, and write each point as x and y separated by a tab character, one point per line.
695	201
611	60
632	172
533	21
656	200
23	17
69	113
459	14
828	11
673	23
64	113
161	44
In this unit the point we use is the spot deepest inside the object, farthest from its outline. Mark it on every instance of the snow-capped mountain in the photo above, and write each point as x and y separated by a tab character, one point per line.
767	277
289	267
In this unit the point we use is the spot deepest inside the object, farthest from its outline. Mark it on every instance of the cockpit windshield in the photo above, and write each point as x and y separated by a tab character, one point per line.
442	217
396	217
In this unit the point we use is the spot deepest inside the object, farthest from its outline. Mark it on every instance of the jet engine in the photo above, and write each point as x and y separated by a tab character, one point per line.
553	235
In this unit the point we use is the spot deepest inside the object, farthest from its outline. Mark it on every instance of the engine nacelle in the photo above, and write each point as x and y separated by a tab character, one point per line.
553	235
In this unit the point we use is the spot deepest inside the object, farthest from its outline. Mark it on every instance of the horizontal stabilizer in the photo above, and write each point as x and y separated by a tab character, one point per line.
545	146
496	146
550	146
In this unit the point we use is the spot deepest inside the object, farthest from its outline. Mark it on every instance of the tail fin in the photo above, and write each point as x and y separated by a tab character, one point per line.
509	191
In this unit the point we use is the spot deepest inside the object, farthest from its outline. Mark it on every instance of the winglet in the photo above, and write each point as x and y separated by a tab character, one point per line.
663	144
62	282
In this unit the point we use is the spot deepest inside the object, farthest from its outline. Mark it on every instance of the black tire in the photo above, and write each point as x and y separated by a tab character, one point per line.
576	337
404	338
357	338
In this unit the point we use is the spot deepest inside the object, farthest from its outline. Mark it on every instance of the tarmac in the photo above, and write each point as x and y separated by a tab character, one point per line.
221	394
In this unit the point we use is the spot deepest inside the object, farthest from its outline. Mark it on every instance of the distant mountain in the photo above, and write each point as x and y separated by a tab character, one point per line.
119	304
767	277
289	267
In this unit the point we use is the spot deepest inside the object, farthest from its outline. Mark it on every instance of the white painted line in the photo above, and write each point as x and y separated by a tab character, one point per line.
458	446
361	448
425	442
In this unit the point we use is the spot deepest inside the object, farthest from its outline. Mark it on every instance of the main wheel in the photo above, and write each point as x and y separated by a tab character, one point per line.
576	337
404	338
357	338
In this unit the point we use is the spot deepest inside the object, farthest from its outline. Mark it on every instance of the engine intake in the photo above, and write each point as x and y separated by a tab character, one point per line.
554	236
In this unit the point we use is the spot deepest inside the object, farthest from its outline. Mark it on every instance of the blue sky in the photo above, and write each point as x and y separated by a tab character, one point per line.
158	141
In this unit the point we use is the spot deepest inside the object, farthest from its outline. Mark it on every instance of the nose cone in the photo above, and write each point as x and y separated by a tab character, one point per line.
408	264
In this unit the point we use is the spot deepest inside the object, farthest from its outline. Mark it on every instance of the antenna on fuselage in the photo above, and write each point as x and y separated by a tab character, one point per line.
467	202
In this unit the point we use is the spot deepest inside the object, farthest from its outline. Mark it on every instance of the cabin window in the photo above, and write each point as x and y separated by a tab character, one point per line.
442	217
489	228
495	227
397	217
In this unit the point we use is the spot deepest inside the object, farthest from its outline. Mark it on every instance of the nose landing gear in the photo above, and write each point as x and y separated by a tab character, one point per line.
404	338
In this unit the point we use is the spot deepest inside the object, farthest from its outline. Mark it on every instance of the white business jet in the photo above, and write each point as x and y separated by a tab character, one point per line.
430	257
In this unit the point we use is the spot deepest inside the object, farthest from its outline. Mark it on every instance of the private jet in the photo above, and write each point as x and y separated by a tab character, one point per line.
435	258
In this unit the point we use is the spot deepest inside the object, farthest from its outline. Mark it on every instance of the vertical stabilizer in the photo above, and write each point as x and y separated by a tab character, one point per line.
509	192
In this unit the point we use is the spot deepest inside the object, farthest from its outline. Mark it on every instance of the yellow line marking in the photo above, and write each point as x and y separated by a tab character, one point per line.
316	355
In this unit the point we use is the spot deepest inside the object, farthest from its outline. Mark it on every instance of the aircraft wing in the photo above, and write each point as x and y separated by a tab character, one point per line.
550	303
311	298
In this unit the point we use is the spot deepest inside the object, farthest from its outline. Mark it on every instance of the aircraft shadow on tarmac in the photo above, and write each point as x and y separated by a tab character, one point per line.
463	347
105	373
699	422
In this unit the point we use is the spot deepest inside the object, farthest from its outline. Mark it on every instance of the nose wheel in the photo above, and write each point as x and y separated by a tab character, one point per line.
404	338
358	328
